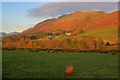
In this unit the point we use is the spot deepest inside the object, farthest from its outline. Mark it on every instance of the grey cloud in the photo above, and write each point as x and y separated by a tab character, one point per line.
56	9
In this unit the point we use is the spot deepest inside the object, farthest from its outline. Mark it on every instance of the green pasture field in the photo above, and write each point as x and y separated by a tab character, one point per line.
52	64
102	33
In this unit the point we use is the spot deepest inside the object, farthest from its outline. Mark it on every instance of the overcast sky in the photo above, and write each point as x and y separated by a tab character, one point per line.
18	16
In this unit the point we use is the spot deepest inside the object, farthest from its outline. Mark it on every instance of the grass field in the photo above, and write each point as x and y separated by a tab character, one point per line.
44	64
103	33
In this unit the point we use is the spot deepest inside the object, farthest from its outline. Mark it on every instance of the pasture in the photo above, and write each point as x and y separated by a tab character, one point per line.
52	64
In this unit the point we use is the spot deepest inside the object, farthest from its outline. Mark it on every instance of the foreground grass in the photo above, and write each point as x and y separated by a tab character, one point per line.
43	64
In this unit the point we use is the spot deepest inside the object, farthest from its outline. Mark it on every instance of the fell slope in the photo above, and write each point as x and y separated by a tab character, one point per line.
76	20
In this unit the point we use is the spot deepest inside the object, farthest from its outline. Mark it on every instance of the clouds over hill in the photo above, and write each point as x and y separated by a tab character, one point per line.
60	8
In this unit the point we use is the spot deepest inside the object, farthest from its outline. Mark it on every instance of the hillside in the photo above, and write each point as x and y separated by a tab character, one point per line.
3	34
81	31
77	20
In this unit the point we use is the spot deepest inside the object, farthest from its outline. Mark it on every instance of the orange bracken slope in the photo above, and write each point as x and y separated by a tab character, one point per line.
76	20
